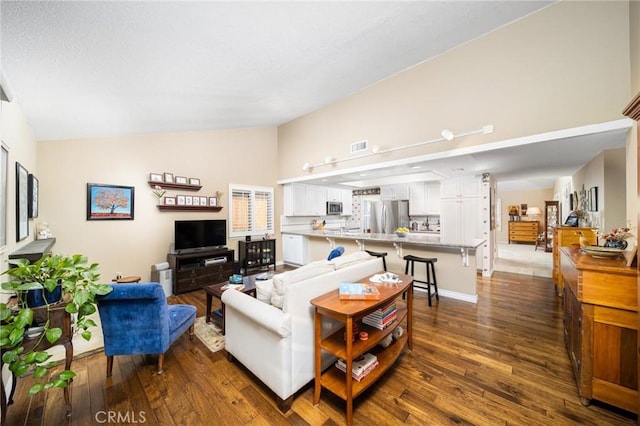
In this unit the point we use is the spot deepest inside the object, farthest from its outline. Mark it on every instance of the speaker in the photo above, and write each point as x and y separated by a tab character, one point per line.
165	279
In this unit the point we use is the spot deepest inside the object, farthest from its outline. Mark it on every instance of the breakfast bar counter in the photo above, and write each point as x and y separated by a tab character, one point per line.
456	268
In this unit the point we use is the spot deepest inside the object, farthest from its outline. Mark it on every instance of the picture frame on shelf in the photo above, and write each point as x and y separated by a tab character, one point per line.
196	201
213	201
22	202
34	187
181	200
181	180
168	177
188	200
169	201
203	201
156	177
110	202
194	181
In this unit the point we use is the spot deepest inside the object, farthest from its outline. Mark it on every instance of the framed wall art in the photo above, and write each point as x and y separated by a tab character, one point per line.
155	177
110	202
34	188
593	199
22	202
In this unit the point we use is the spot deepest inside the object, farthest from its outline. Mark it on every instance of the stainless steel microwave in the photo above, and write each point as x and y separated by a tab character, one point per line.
334	207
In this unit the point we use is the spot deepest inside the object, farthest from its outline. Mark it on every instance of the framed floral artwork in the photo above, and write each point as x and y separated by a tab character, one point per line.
110	202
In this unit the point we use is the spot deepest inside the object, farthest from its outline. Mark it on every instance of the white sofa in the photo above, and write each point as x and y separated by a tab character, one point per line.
277	344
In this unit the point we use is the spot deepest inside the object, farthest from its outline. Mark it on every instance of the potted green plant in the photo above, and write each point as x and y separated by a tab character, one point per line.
79	283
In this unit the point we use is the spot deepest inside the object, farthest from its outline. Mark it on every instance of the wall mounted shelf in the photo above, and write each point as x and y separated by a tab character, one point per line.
190	208
166	185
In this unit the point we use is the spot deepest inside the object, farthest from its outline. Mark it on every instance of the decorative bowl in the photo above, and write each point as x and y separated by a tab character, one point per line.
598	251
401	234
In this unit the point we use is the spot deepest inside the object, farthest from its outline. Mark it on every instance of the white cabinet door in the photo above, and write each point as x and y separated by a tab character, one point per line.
417	199
317	200
395	192
471	186
347	202
299	199
432	204
294	249
451	231
461	220
334	194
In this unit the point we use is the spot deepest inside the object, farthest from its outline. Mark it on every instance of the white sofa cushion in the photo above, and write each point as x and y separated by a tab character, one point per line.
264	290
347	260
305	272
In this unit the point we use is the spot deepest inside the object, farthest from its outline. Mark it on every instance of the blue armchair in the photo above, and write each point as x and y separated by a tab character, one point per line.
136	319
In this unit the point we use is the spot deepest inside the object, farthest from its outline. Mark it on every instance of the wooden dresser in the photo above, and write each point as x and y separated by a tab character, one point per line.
601	327
523	231
565	236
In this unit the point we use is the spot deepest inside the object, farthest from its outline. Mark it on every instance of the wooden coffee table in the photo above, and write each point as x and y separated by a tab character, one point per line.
216	291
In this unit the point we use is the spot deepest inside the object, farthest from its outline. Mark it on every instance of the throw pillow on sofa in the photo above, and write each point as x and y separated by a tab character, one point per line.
307	271
336	252
264	290
350	259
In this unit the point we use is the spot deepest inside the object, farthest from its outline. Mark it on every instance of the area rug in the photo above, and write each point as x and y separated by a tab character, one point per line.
210	334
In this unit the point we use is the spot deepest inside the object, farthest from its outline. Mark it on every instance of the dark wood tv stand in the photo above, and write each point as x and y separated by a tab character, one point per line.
197	269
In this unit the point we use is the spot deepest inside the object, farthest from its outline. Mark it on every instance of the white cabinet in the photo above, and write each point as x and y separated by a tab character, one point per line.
417	199
424	198
395	192
316	200
432	190
343	196
461	220
334	194
347	202
304	200
466	186
294	249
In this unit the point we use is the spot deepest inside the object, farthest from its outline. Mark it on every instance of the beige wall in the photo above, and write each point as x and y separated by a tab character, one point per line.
131	247
19	139
530	198
565	66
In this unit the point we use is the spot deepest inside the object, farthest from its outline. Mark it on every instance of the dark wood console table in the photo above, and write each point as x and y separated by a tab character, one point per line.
59	318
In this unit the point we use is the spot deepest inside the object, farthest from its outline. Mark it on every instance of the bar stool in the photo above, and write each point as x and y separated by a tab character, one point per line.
431	273
379	254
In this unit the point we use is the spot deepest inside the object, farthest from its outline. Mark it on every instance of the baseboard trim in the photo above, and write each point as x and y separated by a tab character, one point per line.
471	298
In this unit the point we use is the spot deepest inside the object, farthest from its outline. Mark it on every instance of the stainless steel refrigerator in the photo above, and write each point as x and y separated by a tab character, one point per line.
383	217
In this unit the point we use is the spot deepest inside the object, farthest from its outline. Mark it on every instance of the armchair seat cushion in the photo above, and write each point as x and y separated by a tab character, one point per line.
181	317
136	319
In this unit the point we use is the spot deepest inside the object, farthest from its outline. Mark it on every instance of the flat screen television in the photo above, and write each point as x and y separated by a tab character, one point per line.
193	235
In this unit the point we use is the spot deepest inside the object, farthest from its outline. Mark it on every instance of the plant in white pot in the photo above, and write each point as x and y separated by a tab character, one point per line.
78	281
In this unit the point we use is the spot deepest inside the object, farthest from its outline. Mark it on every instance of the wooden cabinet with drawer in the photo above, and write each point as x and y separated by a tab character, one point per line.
523	232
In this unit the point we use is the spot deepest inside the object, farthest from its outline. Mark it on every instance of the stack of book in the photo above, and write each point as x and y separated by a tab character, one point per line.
360	367
383	317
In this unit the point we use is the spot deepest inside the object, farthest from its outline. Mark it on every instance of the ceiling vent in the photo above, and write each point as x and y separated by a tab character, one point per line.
359	146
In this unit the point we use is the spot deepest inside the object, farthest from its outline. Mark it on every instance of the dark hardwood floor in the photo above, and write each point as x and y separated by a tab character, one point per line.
502	361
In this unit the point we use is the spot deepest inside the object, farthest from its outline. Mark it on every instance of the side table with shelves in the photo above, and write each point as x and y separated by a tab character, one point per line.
344	347
257	254
192	271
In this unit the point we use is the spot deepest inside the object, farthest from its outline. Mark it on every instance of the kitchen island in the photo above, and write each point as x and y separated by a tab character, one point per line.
456	267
